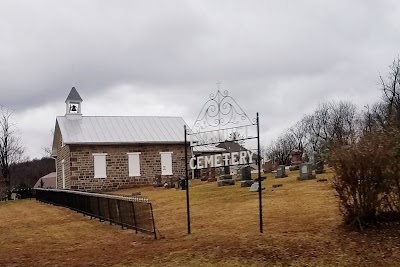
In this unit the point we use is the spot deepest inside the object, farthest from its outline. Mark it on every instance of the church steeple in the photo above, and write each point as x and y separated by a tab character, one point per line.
73	105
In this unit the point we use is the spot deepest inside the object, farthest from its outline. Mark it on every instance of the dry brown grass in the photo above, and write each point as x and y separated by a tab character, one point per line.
301	223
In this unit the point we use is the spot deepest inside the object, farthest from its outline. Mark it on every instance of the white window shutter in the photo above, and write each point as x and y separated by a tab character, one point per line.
166	163
134	163
100	165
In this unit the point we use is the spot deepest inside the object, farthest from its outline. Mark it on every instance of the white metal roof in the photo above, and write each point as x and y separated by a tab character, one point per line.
49	181
121	129
207	148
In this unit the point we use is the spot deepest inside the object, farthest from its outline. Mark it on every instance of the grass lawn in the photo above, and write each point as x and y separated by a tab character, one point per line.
301	228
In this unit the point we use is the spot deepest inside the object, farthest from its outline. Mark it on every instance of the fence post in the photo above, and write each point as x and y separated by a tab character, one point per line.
134	215
120	214
88	205
152	220
98	206
109	210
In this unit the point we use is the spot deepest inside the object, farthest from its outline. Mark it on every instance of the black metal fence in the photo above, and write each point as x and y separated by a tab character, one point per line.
130	212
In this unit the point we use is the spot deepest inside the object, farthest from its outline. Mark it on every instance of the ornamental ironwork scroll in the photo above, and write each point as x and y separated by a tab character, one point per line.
220	111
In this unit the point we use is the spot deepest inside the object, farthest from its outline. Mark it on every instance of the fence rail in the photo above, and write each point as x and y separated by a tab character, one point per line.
130	212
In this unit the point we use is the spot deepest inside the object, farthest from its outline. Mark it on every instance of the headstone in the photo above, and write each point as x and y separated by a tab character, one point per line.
246	172
13	196
306	172
158	181
255	187
209	173
212	173
204	178
227	170
267	167
315	158
181	184
281	172
246	183
239	174
226	182
225	178
225	173
170	183
274	166
295	159
319	167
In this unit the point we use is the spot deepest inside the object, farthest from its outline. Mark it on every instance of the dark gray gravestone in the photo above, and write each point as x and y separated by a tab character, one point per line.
246	173
226	182
305	171
227	170
319	167
225	173
281	172
181	184
246	183
315	158
225	178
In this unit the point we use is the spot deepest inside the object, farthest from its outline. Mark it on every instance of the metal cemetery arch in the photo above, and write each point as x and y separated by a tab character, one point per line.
220	115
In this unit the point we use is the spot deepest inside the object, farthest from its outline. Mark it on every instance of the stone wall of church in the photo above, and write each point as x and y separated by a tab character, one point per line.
117	167
63	159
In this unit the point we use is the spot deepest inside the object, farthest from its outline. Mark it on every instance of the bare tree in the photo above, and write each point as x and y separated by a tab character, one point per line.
47	150
279	150
343	123
332	123
264	152
318	127
390	110
237	138
385	115
11	149
299	133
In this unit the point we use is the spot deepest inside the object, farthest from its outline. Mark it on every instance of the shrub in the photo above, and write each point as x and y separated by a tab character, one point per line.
367	179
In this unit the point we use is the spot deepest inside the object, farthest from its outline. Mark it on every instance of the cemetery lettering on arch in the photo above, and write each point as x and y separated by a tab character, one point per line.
220	160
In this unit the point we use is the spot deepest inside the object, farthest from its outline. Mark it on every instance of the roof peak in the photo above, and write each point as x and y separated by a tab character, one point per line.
74	95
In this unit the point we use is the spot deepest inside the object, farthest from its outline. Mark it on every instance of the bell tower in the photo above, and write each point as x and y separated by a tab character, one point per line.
73	105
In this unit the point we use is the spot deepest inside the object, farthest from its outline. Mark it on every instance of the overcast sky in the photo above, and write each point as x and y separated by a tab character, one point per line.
280	58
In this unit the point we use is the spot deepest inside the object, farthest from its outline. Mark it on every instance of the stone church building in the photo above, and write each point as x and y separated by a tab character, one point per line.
97	153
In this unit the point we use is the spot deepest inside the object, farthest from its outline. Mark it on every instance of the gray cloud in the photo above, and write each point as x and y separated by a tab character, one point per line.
278	58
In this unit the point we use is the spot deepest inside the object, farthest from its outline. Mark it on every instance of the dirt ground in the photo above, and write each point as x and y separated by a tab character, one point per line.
302	227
